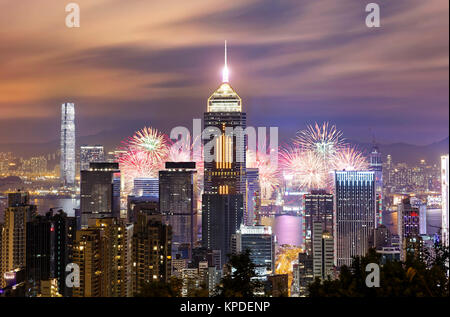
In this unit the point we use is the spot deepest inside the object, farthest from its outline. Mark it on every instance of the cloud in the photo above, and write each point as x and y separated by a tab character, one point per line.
297	60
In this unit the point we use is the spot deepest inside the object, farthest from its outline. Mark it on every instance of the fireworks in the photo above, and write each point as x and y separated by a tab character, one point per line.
349	159
308	171
143	155
268	172
149	142
323	140
183	151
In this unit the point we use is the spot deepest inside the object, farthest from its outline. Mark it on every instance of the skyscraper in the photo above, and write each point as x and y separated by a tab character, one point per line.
99	195
89	154
225	167
355	214
408	226
146	186
87	255
177	202
67	164
261	243
221	218
116	264
322	251
253	197
13	241
305	273
445	198
376	165
152	250
225	164
318	207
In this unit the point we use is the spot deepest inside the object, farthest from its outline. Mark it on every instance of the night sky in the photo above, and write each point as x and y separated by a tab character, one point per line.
135	63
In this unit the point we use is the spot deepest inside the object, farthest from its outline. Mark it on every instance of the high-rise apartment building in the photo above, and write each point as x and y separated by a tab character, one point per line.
115	251
13	251
355	205
177	202
67	163
152	249
87	255
91	154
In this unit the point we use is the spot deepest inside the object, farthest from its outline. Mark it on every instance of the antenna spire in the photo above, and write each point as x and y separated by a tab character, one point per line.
225	73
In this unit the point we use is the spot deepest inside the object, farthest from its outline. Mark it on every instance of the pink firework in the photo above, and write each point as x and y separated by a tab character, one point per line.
184	151
136	164
349	159
149	142
268	172
307	170
143	155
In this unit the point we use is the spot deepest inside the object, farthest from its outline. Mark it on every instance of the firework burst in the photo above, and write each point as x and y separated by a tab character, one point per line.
268	172
307	170
142	155
323	140
149	142
350	159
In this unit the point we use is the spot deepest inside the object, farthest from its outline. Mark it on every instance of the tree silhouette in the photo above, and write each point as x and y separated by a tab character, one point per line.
413	278
240	280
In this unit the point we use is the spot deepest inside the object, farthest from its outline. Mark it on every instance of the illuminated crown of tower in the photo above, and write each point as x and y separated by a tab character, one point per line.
225	98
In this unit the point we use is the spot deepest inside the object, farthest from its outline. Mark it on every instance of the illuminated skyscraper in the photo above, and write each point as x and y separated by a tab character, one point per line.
408	226
91	153
87	255
261	243
355	214
13	241
225	163
152	248
318	208
445	198
376	165
67	165
225	167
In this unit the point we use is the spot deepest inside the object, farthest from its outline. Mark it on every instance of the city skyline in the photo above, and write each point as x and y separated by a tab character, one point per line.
368	82
297	177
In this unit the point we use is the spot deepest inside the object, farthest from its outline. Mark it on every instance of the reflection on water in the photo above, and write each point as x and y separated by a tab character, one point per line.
44	205
288	229
66	204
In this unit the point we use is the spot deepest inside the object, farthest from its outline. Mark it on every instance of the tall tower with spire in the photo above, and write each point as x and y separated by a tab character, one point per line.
223	201
376	165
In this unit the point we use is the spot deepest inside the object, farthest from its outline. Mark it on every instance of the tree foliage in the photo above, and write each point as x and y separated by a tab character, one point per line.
240	280
161	289
412	278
